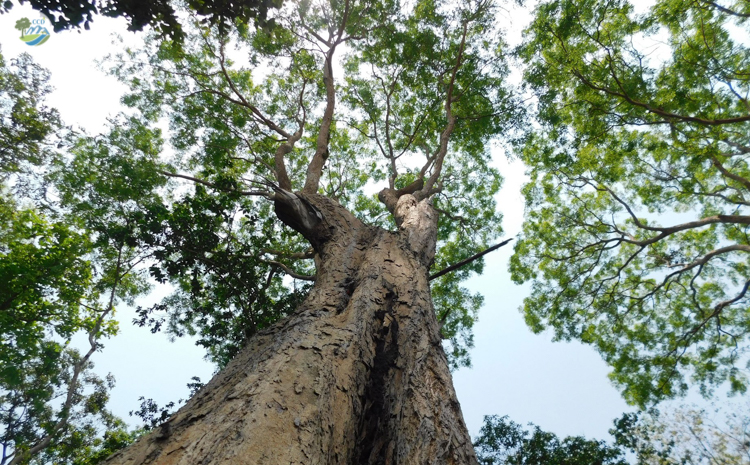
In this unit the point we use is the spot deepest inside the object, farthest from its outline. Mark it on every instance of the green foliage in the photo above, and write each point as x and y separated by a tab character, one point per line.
457	310
47	282
26	124
93	449
159	14
223	249
636	231
502	441
45	279
153	415
62	273
29	412
207	248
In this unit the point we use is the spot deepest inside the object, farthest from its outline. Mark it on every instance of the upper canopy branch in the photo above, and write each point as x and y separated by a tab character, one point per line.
439	156
261	193
243	101
744	181
238	98
388	89
666	231
315	167
286	147
622	93
726	10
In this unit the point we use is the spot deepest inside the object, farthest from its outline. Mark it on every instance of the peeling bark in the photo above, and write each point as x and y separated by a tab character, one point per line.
357	375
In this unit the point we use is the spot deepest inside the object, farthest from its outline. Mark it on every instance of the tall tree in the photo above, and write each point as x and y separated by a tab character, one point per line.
63	270
282	160
637	210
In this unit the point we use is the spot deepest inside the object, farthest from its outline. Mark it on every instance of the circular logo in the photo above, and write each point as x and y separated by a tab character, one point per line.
33	32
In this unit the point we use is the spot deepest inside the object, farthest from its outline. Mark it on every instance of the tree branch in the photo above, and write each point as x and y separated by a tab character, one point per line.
667	231
315	168
727	10
468	260
290	272
214	186
271	125
730	175
446	134
658	111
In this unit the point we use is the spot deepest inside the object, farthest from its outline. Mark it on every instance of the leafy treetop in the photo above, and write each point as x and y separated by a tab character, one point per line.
636	238
260	110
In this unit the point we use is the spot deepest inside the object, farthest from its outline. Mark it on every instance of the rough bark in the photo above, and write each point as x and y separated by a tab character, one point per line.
357	375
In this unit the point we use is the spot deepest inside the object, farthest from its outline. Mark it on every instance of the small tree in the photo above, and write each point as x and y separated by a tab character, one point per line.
23	24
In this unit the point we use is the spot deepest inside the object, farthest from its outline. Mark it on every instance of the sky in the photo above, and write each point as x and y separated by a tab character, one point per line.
562	387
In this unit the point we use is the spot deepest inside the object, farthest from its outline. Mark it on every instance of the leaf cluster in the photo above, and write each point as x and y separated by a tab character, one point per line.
502	441
636	233
160	14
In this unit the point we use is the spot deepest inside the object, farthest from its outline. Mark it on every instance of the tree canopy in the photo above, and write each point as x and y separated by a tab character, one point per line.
61	277
239	133
320	101
502	441
160	14
635	238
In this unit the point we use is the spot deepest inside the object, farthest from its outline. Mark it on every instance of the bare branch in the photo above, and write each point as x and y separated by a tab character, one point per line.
468	260
214	186
289	271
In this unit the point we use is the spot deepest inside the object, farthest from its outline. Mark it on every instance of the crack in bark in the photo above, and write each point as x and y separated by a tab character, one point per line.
374	442
358	369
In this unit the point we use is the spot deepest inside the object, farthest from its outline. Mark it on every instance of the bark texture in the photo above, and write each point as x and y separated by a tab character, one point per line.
357	375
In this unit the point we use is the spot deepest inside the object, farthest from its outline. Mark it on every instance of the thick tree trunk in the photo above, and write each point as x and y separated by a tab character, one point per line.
357	375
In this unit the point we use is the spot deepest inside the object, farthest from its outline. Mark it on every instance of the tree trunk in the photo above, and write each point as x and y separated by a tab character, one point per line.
357	375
